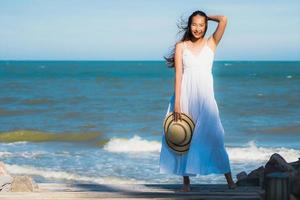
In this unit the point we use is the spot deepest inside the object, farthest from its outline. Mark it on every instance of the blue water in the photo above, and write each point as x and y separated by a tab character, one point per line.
122	104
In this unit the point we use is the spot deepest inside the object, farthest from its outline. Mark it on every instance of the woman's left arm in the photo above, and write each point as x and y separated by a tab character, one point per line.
222	22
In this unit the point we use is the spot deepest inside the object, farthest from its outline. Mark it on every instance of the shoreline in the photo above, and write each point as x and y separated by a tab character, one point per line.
278	178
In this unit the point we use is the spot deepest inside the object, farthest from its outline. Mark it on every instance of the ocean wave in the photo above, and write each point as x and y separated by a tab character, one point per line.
227	64
62	175
252	153
135	144
4	154
25	154
37	136
14	143
249	152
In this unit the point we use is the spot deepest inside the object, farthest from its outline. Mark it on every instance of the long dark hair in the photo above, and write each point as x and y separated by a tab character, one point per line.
186	28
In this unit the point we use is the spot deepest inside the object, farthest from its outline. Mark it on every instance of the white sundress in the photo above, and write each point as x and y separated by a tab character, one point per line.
207	153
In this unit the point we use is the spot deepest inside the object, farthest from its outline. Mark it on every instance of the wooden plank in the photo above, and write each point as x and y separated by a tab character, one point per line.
63	196
133	191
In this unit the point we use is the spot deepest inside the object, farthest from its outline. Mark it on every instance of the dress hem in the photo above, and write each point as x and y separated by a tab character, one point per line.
161	171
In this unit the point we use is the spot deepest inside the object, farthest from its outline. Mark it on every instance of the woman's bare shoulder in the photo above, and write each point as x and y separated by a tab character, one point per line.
179	44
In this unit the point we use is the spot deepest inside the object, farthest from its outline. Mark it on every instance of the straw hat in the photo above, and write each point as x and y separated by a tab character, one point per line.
179	134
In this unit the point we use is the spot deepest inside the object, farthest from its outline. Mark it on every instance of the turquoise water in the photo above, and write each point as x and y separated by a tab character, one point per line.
103	119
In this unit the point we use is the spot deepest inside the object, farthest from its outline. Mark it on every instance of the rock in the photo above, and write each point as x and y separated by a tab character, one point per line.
295	164
6	188
3	170
248	182
255	178
5	179
242	175
277	163
15	183
23	184
257	173
5	183
241	178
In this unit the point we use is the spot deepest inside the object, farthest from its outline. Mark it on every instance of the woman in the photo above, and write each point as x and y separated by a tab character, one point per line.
194	94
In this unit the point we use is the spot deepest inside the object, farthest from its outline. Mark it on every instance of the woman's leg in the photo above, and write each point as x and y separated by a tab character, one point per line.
230	181
186	184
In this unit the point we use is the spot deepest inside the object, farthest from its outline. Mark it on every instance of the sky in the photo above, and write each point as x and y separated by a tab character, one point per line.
143	29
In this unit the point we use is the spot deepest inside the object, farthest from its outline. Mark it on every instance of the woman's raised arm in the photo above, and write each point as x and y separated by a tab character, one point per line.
222	22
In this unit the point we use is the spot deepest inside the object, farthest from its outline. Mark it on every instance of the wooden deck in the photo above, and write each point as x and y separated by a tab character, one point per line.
53	191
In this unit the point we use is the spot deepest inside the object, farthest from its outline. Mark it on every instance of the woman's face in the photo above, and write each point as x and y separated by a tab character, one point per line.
198	26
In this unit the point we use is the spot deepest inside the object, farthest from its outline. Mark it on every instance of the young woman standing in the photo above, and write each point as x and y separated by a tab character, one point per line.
194	94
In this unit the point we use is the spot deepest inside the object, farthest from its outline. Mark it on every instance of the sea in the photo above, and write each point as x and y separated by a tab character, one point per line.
101	121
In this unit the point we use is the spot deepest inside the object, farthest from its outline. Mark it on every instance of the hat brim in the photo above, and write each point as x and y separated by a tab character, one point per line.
189	125
177	149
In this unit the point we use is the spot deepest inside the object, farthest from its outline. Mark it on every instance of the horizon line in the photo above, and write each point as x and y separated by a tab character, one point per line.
90	60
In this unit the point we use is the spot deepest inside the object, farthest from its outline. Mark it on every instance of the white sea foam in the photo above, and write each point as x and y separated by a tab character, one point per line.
25	154
249	152
242	158
252	153
14	143
61	175
4	154
135	144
